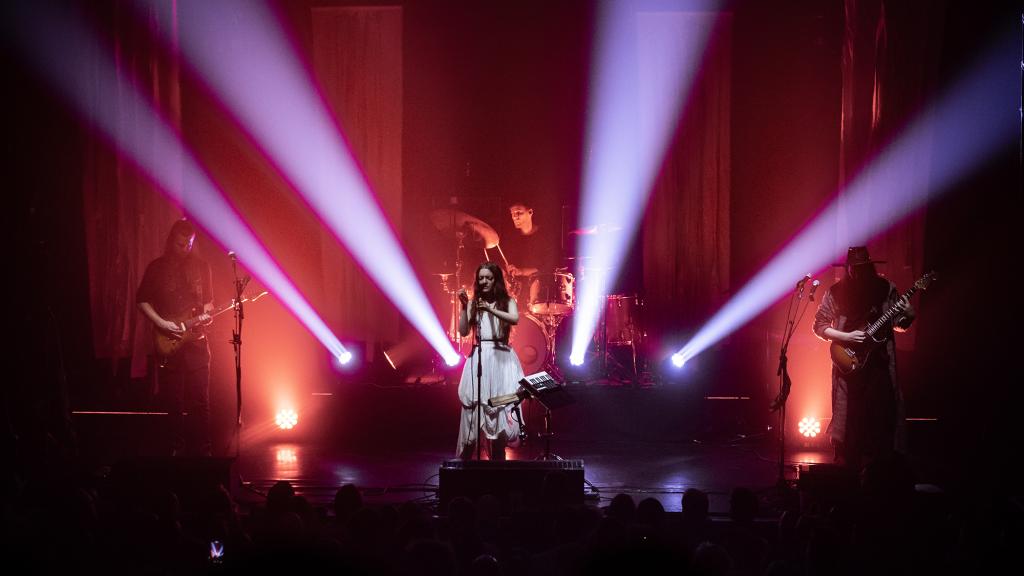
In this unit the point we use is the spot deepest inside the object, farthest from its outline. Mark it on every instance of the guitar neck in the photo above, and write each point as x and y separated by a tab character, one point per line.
191	322
890	313
229	306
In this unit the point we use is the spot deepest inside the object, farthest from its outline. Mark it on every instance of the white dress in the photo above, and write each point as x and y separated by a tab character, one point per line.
501	375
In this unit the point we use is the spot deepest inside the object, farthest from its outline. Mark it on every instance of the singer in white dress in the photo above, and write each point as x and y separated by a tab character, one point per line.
491	314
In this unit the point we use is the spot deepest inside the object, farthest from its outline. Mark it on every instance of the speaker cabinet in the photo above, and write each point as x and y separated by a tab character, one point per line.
528	480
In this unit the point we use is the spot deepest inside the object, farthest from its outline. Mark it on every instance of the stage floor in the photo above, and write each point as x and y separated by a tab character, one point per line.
642	469
391	442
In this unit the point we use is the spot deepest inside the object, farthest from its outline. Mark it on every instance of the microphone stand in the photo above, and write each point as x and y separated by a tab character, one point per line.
785	383
479	379
236	343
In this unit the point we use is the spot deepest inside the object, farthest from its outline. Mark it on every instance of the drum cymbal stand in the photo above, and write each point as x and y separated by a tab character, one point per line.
451	289
550	323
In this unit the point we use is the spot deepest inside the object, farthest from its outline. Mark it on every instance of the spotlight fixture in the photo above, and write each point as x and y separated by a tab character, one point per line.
810	427
286	419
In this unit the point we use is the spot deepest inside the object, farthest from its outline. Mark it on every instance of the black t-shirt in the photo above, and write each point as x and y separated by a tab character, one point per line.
540	250
176	287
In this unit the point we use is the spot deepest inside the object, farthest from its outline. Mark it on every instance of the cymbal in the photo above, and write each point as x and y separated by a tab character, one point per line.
445	218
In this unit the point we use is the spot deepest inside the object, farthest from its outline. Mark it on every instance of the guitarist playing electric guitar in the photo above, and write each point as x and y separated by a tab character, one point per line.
175	287
859	315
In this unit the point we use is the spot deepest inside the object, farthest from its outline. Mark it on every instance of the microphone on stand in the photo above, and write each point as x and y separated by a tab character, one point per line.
232	255
814	286
800	286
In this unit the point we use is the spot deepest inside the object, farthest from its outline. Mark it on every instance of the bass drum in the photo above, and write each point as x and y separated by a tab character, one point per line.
530	343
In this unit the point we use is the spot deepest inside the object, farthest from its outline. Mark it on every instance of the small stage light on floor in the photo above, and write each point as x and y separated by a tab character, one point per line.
286	456
810	427
286	419
678	360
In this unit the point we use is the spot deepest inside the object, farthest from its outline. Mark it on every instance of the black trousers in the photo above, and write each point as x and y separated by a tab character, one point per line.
185	393
871	414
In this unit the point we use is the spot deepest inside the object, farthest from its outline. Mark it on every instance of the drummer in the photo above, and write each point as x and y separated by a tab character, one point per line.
533	247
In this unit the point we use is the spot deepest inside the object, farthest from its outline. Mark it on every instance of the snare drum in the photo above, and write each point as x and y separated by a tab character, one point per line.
552	293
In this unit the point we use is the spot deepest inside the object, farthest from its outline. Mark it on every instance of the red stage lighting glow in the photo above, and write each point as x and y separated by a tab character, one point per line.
286	456
810	427
286	419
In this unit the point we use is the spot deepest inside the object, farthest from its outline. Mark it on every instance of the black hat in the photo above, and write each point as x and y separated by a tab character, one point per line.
856	256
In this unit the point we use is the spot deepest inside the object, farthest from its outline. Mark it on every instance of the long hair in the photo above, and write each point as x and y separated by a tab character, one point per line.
500	292
859	296
182	227
865	272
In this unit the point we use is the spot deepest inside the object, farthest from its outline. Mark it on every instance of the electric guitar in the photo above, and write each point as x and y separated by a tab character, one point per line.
167	343
848	357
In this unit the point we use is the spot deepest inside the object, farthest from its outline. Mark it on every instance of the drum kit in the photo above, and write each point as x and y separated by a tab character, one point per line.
550	300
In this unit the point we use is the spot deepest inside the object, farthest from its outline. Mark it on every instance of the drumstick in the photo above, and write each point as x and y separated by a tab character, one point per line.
498	246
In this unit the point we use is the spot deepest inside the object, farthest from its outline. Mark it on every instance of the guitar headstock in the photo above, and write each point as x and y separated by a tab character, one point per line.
253	296
926	280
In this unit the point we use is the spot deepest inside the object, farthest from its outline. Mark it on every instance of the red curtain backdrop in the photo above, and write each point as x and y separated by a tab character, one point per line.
888	68
126	219
358	61
686	248
357	57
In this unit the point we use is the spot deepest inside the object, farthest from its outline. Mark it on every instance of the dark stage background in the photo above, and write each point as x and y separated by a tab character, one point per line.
489	101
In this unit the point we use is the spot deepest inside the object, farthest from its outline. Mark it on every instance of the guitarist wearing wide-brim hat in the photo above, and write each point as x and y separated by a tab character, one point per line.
859	315
176	295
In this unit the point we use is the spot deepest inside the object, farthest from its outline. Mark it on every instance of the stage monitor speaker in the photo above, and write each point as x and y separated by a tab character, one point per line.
193	480
510	479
